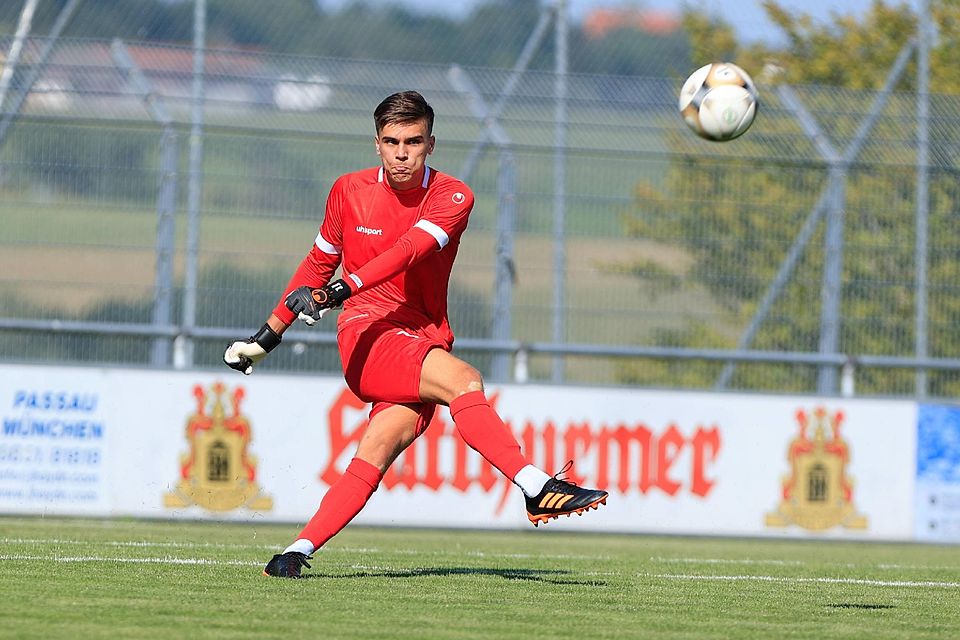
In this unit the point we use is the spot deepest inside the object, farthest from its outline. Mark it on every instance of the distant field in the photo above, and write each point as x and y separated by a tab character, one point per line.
92	253
141	579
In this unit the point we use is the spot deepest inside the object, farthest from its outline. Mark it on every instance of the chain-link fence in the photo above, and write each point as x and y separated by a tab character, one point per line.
608	244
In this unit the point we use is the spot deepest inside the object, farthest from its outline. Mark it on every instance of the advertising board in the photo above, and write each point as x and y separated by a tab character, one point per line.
206	445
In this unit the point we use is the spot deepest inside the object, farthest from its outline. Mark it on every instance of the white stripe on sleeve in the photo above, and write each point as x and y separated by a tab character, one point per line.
326	247
356	279
439	234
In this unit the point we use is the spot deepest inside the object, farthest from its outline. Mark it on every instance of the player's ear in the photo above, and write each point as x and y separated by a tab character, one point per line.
433	143
376	144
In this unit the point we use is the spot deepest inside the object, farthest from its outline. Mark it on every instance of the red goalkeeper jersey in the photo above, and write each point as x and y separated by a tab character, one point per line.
397	247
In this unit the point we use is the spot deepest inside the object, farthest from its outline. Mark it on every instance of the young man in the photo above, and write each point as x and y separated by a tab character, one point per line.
395	229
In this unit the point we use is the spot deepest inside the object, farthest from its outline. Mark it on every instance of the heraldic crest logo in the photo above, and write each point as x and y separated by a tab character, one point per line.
218	473
817	494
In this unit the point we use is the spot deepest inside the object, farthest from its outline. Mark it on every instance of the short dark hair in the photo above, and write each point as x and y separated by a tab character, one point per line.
403	108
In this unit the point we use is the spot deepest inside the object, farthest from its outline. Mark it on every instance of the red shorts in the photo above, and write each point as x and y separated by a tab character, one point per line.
382	360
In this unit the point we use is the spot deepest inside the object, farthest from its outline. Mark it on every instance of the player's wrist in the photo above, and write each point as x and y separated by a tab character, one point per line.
267	338
354	283
335	293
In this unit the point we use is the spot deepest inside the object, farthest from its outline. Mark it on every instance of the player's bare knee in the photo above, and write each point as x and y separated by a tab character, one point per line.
469	380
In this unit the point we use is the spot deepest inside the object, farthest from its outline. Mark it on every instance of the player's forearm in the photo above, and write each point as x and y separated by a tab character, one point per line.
411	248
278	325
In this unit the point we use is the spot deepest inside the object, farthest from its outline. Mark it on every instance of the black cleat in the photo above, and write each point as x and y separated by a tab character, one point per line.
559	497
287	565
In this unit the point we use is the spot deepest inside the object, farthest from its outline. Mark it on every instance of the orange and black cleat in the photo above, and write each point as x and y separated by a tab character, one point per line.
559	497
287	565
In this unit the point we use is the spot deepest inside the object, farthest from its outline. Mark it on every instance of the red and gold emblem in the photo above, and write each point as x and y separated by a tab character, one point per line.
818	493
218	473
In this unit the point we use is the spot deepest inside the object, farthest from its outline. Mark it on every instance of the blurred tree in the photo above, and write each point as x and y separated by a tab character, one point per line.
857	54
245	23
127	19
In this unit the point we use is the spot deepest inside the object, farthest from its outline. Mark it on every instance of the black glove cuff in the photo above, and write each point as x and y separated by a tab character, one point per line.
338	291
266	338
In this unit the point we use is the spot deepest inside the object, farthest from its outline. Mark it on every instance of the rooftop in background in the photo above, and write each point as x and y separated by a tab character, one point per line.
598	22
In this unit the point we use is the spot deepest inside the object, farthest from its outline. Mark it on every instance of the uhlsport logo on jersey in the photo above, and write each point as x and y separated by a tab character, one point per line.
368	231
218	473
458	198
818	493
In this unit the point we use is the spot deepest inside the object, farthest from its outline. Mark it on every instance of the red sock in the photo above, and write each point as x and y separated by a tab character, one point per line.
343	500
482	429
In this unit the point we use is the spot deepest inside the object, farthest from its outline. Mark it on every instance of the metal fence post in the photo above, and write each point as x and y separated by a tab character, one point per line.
166	200
559	190
166	208
924	35
184	356
831	292
505	270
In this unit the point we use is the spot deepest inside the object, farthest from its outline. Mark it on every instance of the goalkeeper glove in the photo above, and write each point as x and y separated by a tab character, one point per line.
243	354
333	294
311	304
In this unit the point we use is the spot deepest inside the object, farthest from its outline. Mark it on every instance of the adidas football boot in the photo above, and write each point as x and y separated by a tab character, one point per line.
287	565
560	497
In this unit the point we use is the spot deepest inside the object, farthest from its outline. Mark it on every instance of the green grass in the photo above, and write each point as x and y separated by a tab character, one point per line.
144	579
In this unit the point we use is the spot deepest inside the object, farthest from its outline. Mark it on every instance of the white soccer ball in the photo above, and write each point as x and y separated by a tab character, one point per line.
718	101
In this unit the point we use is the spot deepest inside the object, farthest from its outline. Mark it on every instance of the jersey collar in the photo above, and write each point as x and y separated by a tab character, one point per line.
423	185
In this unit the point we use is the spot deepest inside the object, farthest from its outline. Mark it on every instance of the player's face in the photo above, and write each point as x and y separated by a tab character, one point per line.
403	149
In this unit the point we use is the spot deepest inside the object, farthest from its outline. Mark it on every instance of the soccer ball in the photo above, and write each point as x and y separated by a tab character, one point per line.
718	101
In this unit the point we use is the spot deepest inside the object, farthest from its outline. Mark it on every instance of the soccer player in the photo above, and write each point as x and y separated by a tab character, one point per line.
395	230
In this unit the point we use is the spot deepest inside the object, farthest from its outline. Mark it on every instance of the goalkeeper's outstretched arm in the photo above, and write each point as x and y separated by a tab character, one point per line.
309	295
314	270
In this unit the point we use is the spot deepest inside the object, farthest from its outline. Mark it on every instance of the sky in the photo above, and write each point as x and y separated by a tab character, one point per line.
746	16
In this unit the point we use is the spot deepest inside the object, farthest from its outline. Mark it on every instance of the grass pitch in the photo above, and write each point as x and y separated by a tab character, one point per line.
68	578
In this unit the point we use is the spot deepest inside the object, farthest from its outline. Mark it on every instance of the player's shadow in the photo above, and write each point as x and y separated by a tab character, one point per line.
551	576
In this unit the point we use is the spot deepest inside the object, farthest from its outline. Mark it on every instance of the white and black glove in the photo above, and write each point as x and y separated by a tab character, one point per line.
310	305
243	354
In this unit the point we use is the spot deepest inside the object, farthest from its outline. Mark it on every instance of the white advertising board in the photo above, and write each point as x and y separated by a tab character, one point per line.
265	447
